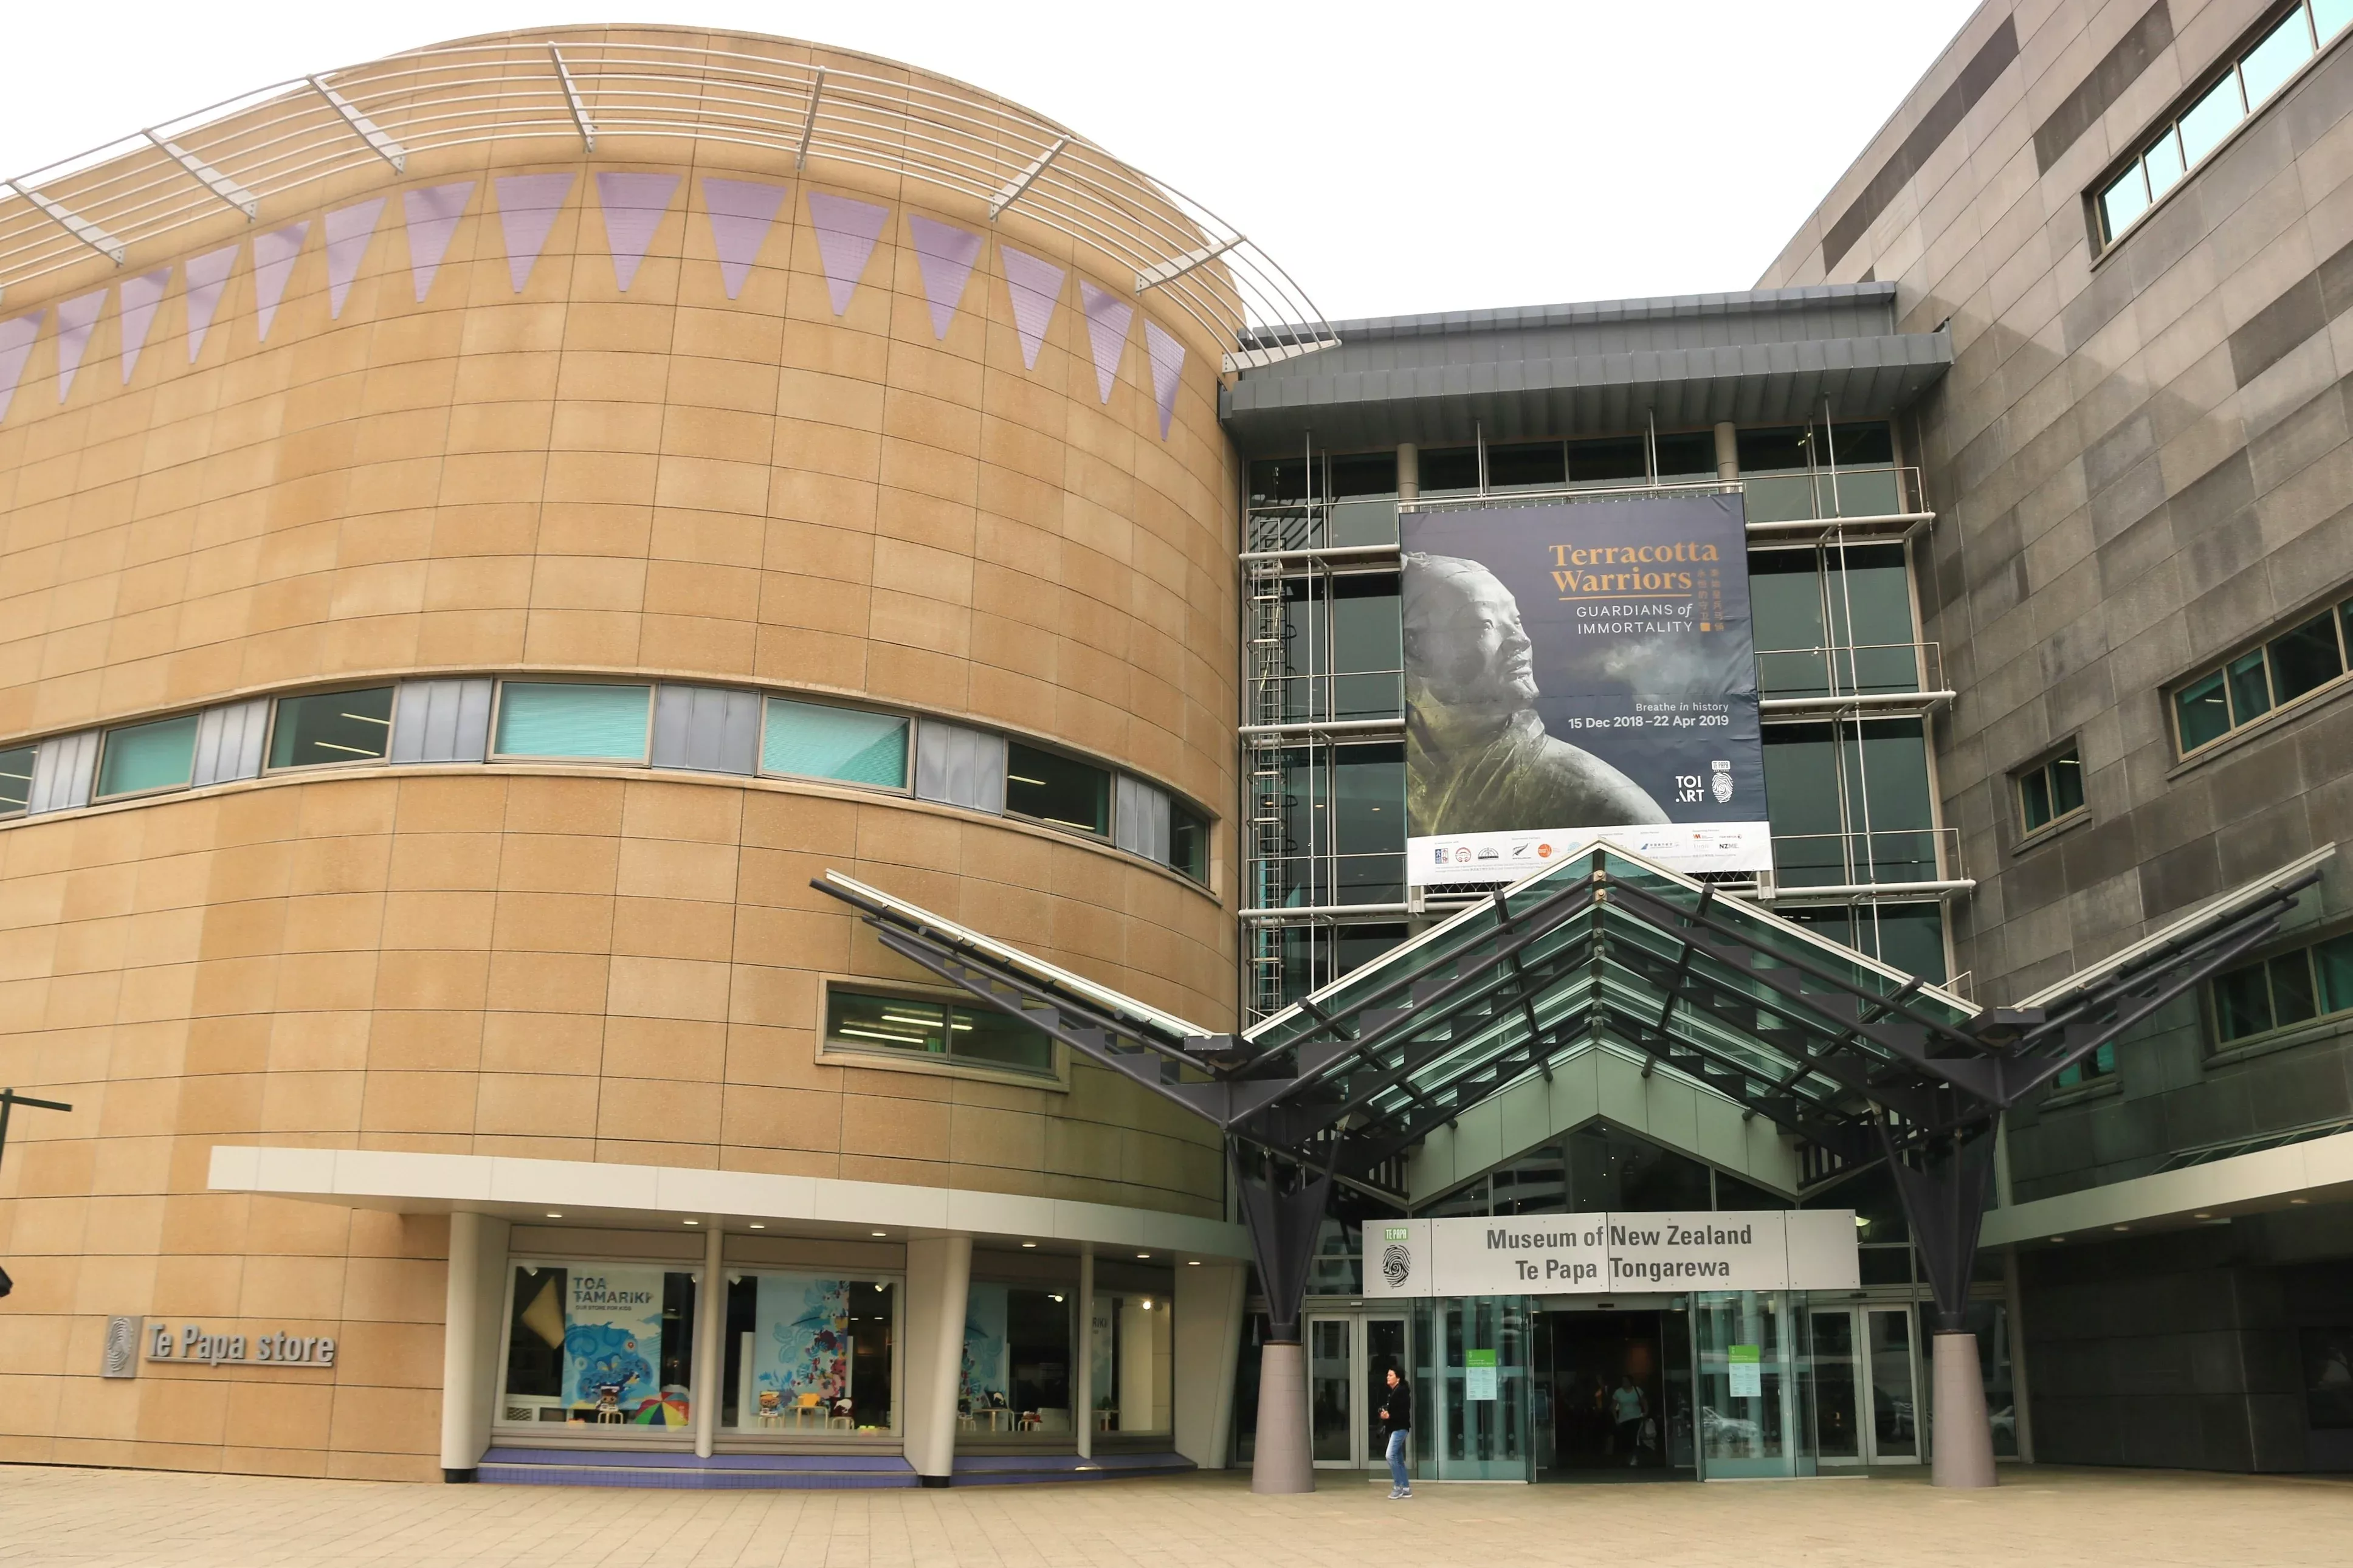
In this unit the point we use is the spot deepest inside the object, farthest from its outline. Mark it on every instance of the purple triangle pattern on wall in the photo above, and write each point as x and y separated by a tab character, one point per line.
77	317
140	295
1108	317
16	346
1035	286
945	255
208	276
1167	368
633	205
432	212
348	229
527	207
741	214
273	262
846	233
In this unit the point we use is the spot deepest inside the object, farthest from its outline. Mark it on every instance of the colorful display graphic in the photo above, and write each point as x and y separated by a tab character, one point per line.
988	1367
803	1344
1575	671
612	1335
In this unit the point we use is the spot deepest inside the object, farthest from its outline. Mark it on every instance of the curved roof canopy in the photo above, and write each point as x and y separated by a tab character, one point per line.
591	88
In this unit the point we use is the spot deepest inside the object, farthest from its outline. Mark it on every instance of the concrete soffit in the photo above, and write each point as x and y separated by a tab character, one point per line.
1598	1083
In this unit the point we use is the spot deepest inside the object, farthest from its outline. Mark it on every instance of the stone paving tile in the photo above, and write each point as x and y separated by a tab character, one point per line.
64	1518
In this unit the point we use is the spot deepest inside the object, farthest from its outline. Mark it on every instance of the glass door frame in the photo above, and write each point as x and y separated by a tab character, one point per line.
1866	1384
1365	1451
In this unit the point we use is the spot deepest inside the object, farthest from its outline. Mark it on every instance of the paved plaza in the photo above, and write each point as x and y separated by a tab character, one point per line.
62	1517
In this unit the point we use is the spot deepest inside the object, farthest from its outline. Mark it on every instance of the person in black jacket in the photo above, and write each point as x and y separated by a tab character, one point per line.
1396	1418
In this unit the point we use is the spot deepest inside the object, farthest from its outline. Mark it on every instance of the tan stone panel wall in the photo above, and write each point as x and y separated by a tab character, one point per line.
568	965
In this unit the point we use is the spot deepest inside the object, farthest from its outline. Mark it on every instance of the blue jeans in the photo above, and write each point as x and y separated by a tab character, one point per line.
1396	1462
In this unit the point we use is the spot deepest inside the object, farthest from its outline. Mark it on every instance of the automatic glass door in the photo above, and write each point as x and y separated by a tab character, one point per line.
1348	1358
1866	1385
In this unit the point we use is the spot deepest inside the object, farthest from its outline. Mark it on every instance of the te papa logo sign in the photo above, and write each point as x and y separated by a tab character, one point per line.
194	1343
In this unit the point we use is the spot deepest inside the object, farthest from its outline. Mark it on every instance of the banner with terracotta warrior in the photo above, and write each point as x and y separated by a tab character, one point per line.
1577	670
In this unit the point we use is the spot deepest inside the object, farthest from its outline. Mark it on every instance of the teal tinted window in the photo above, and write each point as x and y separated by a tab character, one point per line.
331	726
810	739
1188	841
579	722
2243	1003
2201	712
2050	790
1055	789
2101	1062
15	778
2332	962
162	755
980	1037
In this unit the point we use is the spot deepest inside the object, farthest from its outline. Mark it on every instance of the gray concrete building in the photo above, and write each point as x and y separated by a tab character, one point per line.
2132	220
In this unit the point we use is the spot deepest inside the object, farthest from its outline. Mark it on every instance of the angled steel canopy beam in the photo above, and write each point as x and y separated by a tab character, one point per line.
384	146
1012	190
1258	359
81	228
572	100
212	179
1171	270
808	120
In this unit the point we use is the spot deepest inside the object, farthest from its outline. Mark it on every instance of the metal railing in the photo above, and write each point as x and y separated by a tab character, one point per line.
1829	673
273	150
1904	856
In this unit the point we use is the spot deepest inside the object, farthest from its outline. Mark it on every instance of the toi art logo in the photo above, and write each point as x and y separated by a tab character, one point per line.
1720	785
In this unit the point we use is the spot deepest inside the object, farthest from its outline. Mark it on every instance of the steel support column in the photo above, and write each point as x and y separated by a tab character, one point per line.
1944	1196
1282	1223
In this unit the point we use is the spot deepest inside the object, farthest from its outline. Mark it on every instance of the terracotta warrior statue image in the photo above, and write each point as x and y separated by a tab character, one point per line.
1478	759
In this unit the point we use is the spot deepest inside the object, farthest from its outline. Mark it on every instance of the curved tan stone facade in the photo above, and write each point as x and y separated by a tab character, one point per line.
363	465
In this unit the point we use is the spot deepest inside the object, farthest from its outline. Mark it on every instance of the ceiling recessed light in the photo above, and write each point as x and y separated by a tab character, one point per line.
881	1233
2119	1227
1028	1245
2057	1238
758	1225
695	1222
1144	1254
2201	1216
552	1215
1192	1263
2299	1202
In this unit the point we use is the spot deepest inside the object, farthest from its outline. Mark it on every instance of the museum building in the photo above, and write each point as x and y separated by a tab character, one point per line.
713	772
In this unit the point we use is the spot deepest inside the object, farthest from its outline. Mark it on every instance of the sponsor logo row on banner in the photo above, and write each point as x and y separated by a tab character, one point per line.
1605	1254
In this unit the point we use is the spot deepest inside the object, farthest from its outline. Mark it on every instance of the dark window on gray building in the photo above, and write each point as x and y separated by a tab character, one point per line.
2315	981
2294	663
2052	790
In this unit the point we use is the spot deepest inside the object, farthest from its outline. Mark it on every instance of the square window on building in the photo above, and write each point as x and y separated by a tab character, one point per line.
577	722
1060	791
331	726
143	757
17	779
917	1027
2051	791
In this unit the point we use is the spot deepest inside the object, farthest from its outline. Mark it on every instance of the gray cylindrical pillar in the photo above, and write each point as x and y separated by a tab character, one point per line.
461	1359
1963	1437
1082	1409
1727	451
710	1323
1408	471
939	1277
1282	1462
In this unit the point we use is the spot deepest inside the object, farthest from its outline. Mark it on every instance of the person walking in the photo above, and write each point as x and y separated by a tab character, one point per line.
1396	1419
1629	1407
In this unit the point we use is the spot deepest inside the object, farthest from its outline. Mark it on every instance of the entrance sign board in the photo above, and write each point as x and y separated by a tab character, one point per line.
1598	1254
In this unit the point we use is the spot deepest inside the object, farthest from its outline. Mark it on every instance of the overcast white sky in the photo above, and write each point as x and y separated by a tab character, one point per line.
1394	158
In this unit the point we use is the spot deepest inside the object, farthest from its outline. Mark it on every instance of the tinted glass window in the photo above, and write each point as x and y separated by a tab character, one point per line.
582	722
2202	710
2306	657
1525	465
921	1027
1774	450
1449	469
1689	454
1188	841
15	778
814	741
161	756
1278	479
331	726
1618	460
1056	789
1363	474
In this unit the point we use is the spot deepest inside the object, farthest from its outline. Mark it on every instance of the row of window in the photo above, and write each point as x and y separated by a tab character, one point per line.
704	728
2314	655
2302	659
2310	984
1607	461
2246	83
